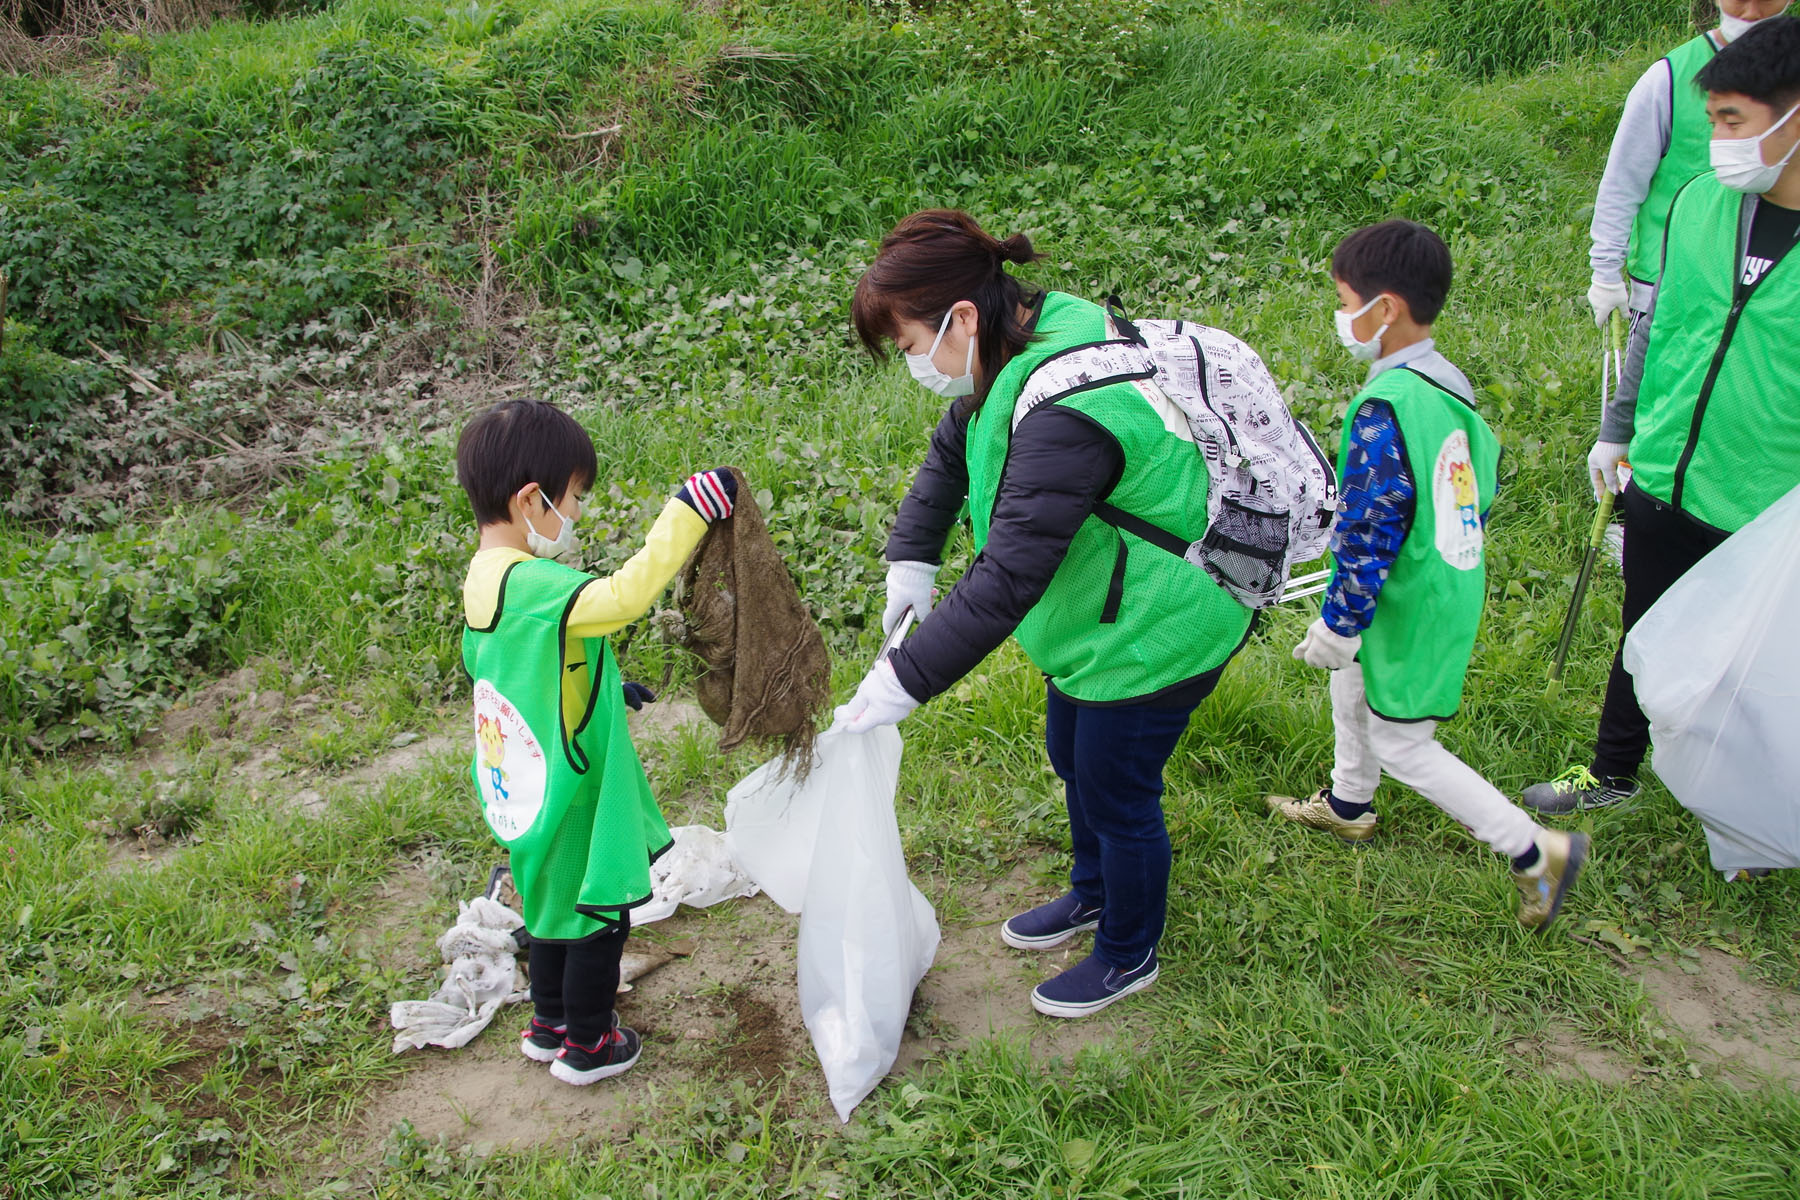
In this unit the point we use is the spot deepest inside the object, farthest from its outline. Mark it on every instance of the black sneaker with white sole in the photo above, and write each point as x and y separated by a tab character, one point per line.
1050	924
616	1054
540	1041
1090	985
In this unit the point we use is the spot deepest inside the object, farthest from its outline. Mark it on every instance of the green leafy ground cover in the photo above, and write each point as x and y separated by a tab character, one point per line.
251	215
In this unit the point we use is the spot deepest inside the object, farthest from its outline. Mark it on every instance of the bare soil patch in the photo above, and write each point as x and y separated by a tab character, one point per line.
664	718
725	1006
980	988
191	1086
1736	1028
1562	1053
139	850
1748	1030
228	705
402	920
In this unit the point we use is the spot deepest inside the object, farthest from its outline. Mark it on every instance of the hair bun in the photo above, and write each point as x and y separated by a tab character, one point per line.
1016	249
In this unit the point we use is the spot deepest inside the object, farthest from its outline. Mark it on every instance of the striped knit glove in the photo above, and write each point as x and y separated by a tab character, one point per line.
712	494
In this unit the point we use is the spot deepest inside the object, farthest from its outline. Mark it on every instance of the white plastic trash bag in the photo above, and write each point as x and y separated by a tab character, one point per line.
1716	667
867	936
772	819
697	871
483	975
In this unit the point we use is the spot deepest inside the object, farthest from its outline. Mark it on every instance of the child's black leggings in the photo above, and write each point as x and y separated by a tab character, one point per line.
575	983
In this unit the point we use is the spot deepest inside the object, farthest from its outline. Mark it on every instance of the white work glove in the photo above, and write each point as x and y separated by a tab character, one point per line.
908	586
879	700
1327	650
1605	296
1603	467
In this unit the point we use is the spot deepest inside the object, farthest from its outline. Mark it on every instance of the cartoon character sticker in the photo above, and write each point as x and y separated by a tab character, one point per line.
1456	504
510	768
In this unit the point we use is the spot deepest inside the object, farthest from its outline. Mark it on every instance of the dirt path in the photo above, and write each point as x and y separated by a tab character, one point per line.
726	1008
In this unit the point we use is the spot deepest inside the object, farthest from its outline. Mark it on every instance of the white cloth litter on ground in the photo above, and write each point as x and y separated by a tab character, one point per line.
697	871
483	975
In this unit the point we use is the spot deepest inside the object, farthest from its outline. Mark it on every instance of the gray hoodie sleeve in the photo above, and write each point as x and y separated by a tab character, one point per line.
1637	150
1620	418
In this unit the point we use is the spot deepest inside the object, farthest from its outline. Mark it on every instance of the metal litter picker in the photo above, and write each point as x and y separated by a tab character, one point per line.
1612	361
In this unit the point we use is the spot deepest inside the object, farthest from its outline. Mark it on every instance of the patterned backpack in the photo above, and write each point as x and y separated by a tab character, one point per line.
1273	493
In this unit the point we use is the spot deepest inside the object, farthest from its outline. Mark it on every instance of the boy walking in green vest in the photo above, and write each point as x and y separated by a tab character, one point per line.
560	783
1416	473
1709	403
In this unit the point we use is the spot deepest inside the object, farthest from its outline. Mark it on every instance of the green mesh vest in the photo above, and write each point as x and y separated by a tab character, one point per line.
563	791
1718	413
1686	157
1415	653
1122	619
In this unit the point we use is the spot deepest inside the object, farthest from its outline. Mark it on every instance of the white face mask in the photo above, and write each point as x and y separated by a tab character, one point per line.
928	376
556	547
1738	161
1367	351
1736	27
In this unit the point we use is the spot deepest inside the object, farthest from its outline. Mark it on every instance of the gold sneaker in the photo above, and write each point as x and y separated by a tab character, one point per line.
1541	889
1315	812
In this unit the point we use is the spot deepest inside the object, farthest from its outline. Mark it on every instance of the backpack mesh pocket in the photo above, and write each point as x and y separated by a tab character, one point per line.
1246	551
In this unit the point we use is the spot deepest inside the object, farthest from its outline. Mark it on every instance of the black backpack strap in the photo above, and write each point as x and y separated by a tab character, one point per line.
1115	308
1156	535
1085	381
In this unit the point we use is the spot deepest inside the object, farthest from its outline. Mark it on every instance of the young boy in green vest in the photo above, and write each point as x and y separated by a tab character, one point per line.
1710	399
560	784
1416	474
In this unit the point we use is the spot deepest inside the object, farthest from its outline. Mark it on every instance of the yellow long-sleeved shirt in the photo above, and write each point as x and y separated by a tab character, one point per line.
611	602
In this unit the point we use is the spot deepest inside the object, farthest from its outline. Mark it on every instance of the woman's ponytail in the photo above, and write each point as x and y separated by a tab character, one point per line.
1016	249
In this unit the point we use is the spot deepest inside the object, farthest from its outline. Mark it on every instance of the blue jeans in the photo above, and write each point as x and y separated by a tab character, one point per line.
1111	763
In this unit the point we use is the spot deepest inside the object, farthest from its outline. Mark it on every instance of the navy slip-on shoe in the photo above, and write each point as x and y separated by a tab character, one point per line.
1090	985
1050	924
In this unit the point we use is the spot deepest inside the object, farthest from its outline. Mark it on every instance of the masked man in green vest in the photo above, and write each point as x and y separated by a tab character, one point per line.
1710	399
560	783
1660	145
1416	474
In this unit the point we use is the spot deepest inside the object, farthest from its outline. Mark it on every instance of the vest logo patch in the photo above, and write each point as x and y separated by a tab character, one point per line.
509	765
1456	504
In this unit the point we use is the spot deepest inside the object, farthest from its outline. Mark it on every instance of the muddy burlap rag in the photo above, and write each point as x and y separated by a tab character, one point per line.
767	675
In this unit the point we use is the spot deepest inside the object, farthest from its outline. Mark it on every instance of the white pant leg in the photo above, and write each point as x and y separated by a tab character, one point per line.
1411	753
1355	768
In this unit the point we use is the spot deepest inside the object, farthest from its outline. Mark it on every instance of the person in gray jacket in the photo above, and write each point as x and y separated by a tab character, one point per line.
1660	145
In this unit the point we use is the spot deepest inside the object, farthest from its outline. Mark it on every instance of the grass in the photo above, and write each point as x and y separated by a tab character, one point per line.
1328	1024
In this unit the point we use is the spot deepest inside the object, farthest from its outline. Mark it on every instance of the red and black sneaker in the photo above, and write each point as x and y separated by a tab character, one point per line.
539	1042
616	1054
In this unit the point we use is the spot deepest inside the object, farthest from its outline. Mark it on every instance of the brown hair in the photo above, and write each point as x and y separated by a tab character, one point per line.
929	262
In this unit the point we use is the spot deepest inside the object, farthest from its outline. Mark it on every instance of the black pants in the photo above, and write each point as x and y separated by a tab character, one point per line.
1661	544
575	983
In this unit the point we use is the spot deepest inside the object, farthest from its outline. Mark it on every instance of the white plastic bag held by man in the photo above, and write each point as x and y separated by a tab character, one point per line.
1717	669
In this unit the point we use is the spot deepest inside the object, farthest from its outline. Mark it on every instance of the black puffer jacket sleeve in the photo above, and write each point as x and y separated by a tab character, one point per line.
1059	465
